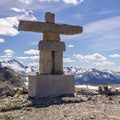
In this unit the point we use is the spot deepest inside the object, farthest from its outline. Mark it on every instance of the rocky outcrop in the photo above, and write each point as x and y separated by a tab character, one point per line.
10	81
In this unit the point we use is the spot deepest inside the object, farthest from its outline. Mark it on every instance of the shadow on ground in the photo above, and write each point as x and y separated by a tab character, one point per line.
42	103
45	102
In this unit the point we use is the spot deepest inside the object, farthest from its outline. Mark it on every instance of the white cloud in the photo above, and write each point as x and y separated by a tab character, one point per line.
26	1
104	12
2	40
41	5
103	35
31	52
48	0
78	56
103	63
18	10
75	2
70	46
27	16
8	25
29	57
95	56
68	60
8	52
115	56
103	25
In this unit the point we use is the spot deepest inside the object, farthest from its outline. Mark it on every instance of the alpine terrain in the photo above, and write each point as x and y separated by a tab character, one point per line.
82	75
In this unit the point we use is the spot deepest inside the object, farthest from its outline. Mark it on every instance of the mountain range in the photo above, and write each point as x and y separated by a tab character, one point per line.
93	76
82	75
18	67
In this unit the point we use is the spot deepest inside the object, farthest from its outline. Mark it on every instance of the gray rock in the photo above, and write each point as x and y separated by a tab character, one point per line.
7	91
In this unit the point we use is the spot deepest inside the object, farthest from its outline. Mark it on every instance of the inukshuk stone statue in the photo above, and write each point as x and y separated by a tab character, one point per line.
51	82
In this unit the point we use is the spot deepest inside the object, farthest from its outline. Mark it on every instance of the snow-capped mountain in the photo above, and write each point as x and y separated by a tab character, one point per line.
18	67
93	76
10	79
82	75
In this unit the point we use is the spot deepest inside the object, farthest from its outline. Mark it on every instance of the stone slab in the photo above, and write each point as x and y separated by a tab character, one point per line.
34	26
51	62
58	62
46	62
50	36
51	85
51	46
49	17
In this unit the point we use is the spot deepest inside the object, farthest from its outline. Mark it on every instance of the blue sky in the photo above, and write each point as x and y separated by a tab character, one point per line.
97	47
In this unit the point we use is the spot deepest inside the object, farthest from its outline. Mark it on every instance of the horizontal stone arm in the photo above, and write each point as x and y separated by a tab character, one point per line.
34	26
51	46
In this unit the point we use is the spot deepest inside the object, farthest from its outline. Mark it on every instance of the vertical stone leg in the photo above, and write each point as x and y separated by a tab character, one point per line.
58	62
46	62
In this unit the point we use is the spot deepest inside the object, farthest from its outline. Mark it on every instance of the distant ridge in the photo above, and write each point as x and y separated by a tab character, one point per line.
10	78
18	67
82	75
93	76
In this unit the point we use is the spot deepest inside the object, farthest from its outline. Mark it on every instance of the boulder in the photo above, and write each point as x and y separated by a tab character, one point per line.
7	91
10	81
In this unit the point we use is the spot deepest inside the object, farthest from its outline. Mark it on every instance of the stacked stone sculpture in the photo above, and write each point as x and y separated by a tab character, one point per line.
51	81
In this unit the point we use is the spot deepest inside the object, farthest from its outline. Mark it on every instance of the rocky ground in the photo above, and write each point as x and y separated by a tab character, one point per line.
86	105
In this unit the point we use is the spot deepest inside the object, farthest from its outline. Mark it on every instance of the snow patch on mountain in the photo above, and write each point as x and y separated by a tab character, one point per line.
81	75
18	67
93	76
91	87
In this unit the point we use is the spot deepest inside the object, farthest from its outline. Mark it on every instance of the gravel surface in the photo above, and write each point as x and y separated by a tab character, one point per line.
80	107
